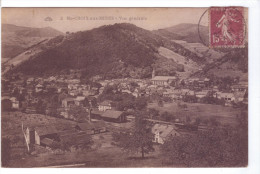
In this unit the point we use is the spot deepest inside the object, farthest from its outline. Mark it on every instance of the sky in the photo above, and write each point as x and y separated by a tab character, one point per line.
79	19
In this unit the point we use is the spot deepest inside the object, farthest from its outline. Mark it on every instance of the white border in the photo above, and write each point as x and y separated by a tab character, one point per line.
254	72
126	3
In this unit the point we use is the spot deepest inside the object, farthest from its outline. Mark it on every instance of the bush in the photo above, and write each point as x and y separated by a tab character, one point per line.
180	68
166	116
213	148
160	103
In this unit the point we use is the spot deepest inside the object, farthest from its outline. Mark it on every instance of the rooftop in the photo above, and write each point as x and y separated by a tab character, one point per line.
45	130
164	78
164	130
86	126
105	103
69	99
90	125
112	114
49	142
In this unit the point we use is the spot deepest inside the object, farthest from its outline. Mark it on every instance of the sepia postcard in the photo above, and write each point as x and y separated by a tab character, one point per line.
124	87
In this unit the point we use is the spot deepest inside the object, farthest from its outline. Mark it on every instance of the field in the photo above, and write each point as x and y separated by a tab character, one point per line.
226	115
189	66
102	153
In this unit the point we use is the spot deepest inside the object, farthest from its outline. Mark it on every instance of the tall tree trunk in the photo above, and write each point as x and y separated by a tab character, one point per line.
142	152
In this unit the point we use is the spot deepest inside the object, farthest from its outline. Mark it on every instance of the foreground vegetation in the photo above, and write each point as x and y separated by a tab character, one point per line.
224	147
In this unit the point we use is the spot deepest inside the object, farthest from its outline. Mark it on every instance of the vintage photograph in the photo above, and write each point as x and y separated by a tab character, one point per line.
124	87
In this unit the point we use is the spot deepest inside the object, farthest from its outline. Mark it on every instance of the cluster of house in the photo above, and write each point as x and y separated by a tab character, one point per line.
179	94
104	111
196	87
79	135
72	92
49	136
32	89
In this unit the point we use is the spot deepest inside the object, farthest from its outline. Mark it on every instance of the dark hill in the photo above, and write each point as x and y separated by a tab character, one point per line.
113	51
234	64
114	48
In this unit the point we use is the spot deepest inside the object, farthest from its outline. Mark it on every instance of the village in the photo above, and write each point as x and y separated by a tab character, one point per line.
97	106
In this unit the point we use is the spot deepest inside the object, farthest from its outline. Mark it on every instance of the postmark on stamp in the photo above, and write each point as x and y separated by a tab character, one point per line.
226	27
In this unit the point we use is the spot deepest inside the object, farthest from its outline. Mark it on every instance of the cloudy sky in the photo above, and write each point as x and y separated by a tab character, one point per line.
76	19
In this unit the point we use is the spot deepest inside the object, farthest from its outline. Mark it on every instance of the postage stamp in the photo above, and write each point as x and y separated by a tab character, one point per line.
226	27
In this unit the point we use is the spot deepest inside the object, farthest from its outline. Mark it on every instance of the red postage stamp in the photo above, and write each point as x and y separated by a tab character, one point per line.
226	27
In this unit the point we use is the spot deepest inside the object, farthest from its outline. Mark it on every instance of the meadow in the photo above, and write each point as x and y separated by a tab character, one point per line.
224	114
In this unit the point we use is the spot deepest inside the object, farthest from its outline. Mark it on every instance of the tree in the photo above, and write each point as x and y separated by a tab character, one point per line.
212	148
173	84
167	99
95	84
6	105
160	103
139	141
197	121
52	109
93	102
40	107
133	85
86	103
180	67
126	103
178	150
78	113
214	121
188	119
166	116
153	113
140	103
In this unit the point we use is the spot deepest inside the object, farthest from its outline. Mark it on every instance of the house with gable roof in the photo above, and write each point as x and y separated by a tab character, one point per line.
162	132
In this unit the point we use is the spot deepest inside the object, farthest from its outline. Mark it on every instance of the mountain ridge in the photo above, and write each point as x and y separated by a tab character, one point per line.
122	49
16	39
187	32
118	51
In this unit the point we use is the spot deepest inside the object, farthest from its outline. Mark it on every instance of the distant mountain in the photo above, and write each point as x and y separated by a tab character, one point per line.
16	39
187	32
30	32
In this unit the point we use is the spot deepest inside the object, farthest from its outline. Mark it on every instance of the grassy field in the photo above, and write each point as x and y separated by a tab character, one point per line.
226	115
189	66
102	153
